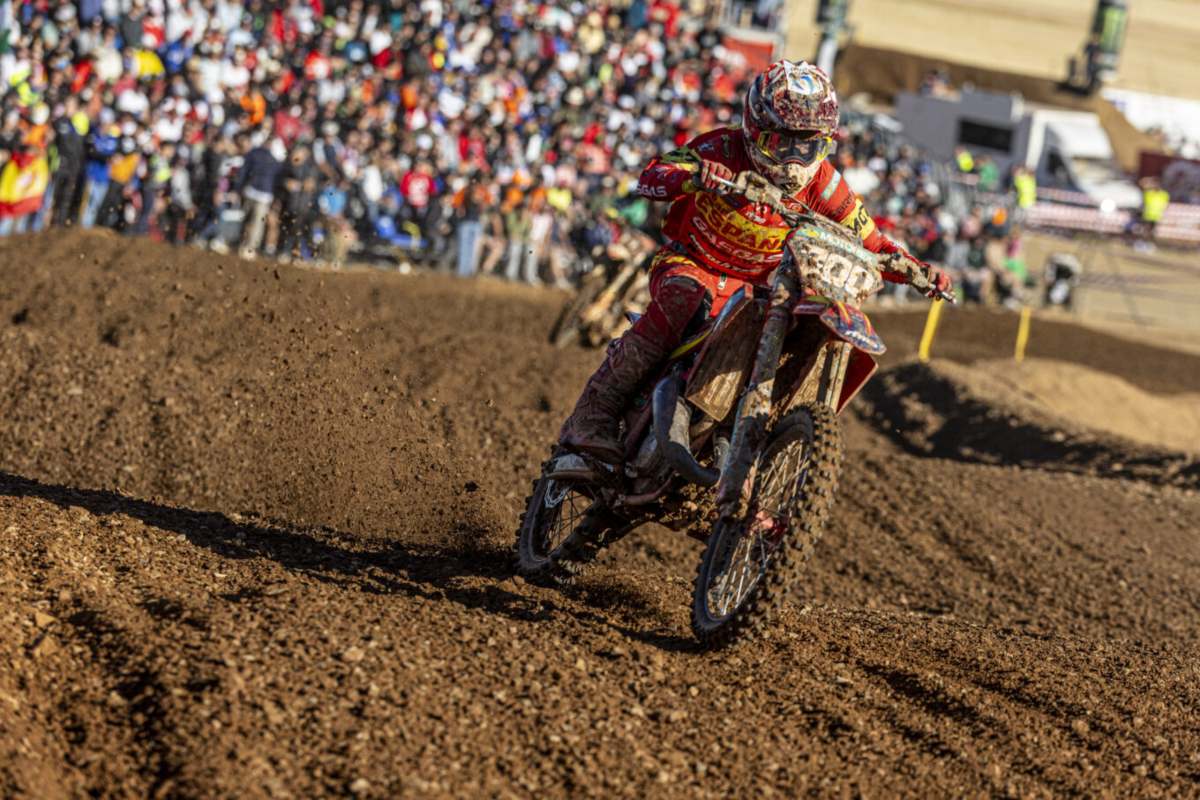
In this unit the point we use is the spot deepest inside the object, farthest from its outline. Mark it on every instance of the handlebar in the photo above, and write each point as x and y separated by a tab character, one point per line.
757	189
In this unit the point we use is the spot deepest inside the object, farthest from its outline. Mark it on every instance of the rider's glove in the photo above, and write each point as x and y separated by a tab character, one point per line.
901	266
711	174
939	280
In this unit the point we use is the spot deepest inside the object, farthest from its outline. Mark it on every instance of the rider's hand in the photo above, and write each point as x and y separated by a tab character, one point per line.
939	280
710	175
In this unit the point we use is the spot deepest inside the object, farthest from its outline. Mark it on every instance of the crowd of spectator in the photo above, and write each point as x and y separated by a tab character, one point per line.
496	135
977	237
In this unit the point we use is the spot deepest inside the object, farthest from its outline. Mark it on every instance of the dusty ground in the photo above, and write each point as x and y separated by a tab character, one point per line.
254	524
1096	400
1160	55
1151	296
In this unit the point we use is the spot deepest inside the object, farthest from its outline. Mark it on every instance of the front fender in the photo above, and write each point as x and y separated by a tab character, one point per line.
846	322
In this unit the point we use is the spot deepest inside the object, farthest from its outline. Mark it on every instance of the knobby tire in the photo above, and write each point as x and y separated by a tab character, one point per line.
562	565
784	568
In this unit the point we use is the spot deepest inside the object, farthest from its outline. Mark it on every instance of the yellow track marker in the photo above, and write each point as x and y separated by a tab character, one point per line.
931	323
1022	334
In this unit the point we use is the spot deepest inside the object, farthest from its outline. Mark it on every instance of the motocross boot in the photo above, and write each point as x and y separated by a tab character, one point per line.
594	426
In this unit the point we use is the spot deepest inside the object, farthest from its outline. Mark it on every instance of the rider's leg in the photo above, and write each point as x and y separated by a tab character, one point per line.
594	426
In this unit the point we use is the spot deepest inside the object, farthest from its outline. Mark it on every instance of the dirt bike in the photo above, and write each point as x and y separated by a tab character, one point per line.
737	440
598	312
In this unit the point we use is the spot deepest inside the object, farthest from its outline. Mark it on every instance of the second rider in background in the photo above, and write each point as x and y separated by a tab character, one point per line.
716	243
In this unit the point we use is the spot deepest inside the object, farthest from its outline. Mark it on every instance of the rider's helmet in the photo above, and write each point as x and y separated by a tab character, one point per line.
789	120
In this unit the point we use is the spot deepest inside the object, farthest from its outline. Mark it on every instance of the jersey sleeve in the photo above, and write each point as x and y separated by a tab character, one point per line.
830	196
668	176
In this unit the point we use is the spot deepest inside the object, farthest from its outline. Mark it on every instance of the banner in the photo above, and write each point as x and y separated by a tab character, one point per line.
756	49
23	182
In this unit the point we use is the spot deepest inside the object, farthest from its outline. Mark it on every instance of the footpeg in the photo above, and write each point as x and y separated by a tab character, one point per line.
576	467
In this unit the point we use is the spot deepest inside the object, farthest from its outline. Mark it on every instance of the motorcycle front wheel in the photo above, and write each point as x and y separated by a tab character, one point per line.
751	562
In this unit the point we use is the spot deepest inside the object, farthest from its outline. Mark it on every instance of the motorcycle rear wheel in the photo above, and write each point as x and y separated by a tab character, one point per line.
562	530
750	563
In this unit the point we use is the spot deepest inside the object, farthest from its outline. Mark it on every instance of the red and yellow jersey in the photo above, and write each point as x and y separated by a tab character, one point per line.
730	236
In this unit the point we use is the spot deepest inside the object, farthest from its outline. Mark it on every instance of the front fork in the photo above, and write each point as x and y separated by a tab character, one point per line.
754	409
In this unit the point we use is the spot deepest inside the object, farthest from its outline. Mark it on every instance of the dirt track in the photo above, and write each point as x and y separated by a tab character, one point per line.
254	525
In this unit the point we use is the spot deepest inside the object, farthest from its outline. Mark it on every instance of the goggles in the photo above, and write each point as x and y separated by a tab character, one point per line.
786	148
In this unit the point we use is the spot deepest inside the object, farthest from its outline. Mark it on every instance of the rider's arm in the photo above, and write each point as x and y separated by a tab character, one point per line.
829	195
668	176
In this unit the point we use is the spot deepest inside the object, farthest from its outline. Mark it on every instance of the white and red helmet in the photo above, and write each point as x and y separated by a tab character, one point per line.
789	120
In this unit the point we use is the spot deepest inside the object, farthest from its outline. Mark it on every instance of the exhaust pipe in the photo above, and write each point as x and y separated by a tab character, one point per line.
672	422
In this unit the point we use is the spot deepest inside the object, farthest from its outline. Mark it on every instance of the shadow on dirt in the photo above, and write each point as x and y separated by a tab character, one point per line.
929	414
469	572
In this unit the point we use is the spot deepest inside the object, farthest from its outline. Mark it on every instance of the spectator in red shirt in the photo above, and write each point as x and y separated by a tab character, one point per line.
418	188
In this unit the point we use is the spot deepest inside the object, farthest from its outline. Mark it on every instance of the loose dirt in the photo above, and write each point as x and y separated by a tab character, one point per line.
1093	399
988	414
254	532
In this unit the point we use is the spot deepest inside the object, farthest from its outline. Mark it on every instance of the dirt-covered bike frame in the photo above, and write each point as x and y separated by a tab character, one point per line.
737	440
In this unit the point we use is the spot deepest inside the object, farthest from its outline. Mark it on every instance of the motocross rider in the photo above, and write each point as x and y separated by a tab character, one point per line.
716	243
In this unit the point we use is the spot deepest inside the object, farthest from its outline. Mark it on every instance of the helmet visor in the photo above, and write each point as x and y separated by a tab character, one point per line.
789	148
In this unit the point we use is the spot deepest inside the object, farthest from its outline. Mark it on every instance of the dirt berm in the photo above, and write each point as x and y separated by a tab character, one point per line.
254	531
1045	414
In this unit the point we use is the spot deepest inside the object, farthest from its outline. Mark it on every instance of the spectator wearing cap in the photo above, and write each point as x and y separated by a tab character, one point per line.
130	25
418	187
336	232
122	168
472	200
327	152
297	196
181	206
207	171
541	226
492	243
155	186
